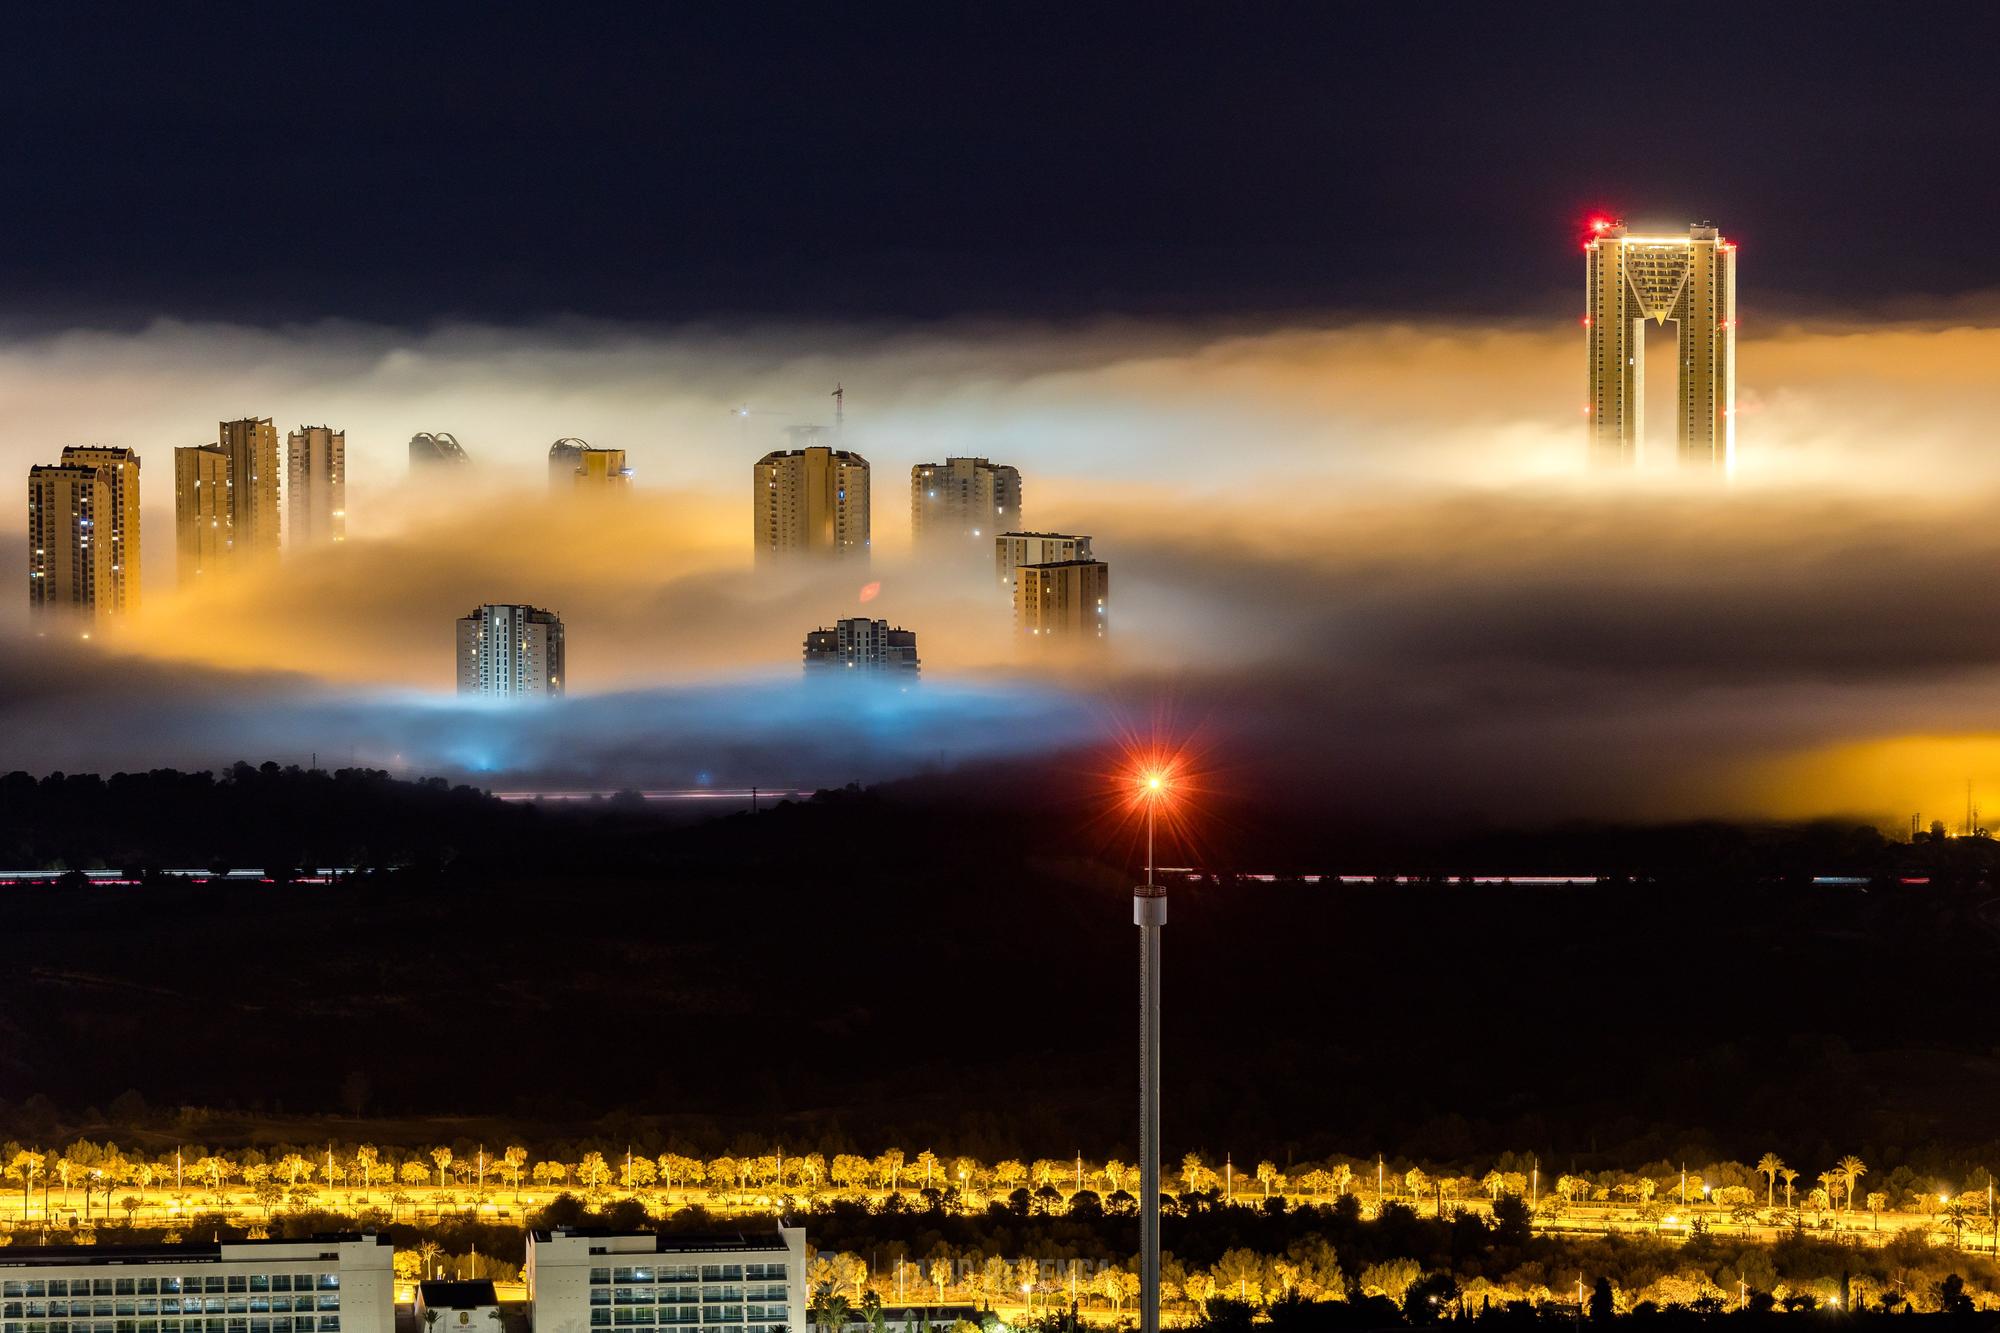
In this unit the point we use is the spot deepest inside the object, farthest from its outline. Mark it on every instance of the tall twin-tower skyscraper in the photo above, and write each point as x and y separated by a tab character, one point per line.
1690	280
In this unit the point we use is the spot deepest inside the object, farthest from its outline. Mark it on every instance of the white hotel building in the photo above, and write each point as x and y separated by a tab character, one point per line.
582	1281
329	1284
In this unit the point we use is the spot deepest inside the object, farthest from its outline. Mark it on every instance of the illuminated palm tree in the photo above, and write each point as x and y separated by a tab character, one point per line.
1770	1166
1786	1174
1851	1169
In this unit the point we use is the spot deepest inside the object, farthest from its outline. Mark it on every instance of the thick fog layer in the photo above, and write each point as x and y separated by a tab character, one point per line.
1367	559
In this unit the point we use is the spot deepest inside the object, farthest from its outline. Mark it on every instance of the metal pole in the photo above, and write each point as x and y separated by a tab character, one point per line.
1149	913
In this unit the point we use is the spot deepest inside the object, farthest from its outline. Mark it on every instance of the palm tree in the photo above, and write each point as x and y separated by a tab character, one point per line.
1851	1169
430	1250
1770	1166
1956	1214
833	1311
1828	1181
1788	1175
1191	1170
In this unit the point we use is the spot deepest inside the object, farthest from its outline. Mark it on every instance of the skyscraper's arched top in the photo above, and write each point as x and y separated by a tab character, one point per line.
442	447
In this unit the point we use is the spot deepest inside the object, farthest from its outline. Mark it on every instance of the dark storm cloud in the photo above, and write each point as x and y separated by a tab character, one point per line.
671	162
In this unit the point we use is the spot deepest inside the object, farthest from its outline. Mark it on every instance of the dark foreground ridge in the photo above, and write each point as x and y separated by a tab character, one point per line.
934	964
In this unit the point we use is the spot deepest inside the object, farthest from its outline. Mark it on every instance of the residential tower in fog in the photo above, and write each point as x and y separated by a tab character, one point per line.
858	645
810	501
251	444
118	526
69	560
510	650
315	486
202	523
1011	550
1067	600
962	499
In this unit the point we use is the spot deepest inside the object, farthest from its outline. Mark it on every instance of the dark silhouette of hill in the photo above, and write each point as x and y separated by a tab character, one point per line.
933	964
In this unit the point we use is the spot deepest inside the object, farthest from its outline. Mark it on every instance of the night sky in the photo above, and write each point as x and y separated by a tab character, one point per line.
665	162
1280	304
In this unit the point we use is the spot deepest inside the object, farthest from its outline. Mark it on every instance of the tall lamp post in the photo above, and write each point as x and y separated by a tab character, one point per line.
1149	913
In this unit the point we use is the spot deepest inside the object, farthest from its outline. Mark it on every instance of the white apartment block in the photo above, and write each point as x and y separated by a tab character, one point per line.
1011	550
512	651
859	644
584	1281
329	1284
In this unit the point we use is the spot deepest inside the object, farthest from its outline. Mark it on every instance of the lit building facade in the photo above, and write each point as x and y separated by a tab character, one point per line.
1067	601
1011	550
861	645
119	524
1690	280
508	650
252	447
601	470
69	558
810	501
315	486
202	525
443	447
962	499
587	1281
327	1284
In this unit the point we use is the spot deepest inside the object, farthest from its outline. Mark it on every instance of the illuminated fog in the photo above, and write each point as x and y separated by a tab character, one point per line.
1369	553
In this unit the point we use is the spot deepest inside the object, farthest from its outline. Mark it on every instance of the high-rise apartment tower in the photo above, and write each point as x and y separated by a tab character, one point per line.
1690	280
202	527
118	525
252	446
962	499
810	501
315	486
511	651
69	553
